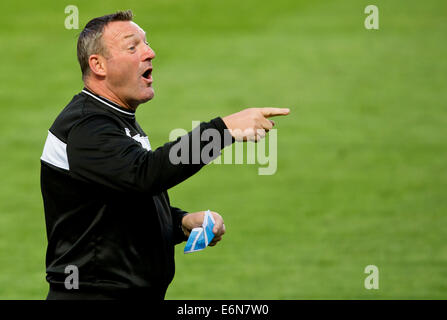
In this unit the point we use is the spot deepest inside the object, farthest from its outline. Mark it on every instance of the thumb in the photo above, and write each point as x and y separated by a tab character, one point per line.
218	222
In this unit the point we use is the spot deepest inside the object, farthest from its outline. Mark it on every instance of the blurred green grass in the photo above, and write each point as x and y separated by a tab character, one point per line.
361	173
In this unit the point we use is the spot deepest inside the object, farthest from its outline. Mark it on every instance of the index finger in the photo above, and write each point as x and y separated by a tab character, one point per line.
271	112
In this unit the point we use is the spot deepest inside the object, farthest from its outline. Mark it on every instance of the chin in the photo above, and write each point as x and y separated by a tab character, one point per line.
148	95
151	94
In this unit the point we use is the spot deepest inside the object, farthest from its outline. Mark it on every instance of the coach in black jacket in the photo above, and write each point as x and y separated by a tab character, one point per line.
107	211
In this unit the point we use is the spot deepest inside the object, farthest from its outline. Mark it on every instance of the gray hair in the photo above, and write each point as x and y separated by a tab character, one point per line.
90	39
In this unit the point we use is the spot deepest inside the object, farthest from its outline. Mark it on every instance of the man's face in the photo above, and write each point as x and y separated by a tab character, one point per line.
128	62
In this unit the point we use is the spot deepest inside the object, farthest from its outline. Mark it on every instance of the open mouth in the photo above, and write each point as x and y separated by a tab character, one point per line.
147	74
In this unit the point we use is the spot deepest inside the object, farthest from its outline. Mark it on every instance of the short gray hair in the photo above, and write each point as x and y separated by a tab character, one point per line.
90	39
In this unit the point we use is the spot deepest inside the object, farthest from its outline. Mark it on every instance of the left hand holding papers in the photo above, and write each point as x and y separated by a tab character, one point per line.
202	236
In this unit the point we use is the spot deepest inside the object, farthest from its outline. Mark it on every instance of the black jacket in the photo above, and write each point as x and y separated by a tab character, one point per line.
107	210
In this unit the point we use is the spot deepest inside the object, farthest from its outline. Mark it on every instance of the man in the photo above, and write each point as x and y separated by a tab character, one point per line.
107	211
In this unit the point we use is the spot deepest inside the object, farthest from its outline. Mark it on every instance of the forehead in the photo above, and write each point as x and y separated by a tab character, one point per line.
121	30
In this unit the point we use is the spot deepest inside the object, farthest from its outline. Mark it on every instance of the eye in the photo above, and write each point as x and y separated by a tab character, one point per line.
132	48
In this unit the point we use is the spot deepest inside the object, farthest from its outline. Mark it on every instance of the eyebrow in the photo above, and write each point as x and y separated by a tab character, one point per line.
129	36
132	35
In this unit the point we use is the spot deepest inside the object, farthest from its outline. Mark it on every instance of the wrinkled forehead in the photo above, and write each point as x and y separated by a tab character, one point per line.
118	31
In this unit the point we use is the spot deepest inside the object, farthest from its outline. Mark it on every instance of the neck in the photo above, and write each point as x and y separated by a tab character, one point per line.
101	89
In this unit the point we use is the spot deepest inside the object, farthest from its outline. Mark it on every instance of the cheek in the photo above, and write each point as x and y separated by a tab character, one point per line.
122	69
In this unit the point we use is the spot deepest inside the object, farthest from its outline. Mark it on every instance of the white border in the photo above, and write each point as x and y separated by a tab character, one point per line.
108	104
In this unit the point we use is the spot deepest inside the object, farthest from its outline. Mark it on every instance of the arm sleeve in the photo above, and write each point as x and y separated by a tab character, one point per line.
177	216
99	151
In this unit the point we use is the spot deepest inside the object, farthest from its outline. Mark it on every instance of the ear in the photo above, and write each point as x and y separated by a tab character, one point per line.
97	65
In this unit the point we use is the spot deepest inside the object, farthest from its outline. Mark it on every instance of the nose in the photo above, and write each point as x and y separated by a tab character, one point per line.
149	54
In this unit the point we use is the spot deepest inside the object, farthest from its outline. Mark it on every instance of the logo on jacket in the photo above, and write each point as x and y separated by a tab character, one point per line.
144	141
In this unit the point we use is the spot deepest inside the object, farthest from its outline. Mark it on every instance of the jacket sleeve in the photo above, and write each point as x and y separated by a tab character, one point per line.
99	151
177	216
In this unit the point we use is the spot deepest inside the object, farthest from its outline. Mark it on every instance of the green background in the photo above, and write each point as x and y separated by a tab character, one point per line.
362	164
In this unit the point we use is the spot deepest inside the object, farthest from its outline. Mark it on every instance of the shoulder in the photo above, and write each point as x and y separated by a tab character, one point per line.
94	124
79	111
